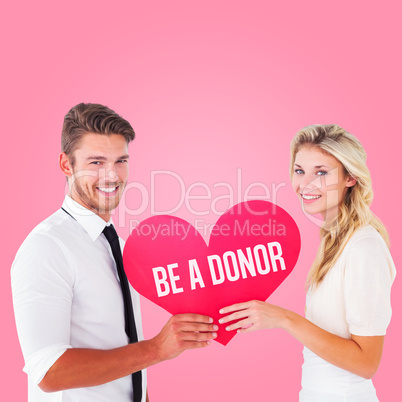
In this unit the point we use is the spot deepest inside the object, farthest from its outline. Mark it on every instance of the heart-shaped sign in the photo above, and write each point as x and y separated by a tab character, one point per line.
253	247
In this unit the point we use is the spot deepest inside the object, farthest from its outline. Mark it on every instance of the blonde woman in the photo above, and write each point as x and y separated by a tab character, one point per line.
348	301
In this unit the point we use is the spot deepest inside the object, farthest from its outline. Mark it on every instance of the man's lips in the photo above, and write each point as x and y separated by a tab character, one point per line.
108	190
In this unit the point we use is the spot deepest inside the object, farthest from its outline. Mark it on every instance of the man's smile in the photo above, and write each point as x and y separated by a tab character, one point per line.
108	190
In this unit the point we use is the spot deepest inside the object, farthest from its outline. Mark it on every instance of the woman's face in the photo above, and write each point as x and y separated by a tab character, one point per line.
320	181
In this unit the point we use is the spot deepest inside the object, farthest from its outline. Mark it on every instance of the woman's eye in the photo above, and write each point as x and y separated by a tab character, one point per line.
299	171
322	173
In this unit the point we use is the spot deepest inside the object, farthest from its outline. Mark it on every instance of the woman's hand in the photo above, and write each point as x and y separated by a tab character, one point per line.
253	315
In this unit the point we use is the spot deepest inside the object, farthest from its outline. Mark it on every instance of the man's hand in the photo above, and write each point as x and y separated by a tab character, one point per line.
184	331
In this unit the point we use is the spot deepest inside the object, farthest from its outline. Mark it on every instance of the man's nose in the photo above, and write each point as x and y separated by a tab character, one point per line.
109	173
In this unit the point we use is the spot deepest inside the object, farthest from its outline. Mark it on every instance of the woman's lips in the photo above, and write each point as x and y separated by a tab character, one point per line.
308	198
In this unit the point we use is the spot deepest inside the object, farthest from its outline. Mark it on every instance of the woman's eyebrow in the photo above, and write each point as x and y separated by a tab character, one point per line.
316	167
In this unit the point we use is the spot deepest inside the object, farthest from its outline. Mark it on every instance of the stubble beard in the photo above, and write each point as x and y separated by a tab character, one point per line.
94	202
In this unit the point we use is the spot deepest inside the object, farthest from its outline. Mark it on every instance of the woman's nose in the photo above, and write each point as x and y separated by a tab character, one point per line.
310	182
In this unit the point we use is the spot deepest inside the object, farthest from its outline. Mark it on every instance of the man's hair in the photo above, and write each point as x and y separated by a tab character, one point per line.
87	118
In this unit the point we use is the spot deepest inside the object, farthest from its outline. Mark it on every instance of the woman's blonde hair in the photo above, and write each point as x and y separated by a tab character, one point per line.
354	211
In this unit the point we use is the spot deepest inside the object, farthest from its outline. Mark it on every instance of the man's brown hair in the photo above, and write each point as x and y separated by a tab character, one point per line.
91	118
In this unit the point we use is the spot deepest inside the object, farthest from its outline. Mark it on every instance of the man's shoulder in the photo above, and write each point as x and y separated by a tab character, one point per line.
45	253
52	231
55	225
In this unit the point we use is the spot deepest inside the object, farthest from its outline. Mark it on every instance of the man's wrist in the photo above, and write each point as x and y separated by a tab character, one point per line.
149	350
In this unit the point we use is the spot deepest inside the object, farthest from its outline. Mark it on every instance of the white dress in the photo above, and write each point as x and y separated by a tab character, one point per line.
353	298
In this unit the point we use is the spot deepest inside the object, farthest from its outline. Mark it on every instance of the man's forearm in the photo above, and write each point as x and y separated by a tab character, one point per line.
78	368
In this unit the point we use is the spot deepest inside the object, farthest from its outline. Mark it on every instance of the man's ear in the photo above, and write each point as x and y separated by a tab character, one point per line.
351	181
65	164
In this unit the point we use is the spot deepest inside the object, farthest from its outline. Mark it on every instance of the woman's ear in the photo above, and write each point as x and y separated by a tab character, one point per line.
351	181
65	164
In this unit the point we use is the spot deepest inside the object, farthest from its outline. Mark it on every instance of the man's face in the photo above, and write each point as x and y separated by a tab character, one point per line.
100	172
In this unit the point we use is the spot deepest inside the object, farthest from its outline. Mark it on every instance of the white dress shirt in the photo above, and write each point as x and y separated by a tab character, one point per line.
66	294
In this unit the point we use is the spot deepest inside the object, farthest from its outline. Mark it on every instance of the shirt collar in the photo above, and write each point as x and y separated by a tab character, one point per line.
92	223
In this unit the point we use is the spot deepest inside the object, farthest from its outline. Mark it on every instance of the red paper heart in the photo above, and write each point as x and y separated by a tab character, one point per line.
259	232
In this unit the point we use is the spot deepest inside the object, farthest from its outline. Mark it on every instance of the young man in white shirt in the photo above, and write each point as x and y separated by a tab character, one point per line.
67	297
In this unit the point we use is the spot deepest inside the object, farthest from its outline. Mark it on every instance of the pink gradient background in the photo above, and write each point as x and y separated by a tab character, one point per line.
209	87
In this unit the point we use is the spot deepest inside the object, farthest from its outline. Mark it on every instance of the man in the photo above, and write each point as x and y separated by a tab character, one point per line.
67	281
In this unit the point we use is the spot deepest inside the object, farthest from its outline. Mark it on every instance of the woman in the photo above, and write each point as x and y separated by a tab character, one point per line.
348	300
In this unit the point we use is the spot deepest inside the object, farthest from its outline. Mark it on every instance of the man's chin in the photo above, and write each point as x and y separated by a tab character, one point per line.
107	208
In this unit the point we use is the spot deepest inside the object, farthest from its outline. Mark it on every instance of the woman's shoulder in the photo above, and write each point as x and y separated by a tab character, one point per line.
367	249
366	236
366	244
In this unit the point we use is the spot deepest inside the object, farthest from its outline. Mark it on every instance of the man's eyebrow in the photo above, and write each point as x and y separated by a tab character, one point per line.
102	158
97	158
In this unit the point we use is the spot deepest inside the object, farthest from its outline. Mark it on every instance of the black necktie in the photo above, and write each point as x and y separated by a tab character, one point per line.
113	239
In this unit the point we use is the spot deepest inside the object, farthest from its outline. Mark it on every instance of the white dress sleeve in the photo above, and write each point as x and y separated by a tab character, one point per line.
369	274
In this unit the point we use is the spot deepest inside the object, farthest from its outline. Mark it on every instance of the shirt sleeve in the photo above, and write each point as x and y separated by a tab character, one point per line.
369	274
42	287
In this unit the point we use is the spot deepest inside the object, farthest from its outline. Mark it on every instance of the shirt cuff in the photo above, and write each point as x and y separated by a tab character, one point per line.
40	362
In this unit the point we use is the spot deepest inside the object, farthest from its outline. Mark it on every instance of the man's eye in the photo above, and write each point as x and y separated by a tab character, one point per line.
122	161
95	163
